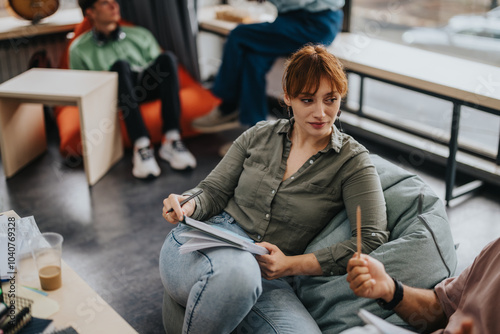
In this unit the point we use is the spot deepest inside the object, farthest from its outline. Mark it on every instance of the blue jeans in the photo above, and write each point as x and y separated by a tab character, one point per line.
222	289
251	50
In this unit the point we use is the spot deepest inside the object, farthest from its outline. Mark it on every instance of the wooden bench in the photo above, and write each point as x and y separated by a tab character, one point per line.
459	81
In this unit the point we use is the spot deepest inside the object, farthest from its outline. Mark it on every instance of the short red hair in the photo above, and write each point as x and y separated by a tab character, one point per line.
306	67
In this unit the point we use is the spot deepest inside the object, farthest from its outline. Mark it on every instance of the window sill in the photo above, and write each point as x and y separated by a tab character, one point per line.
62	21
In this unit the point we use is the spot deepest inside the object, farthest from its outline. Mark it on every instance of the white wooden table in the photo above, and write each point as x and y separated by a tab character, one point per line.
22	128
79	305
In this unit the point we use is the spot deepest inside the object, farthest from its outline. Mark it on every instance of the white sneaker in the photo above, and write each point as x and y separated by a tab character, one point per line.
145	165
215	121
177	155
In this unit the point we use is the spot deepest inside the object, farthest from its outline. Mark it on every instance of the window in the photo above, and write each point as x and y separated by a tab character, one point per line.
466	28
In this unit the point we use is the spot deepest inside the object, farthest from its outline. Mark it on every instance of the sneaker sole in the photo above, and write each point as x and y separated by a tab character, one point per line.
174	165
217	128
188	167
147	177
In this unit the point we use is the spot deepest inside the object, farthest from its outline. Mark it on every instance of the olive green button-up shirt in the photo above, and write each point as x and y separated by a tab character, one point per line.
248	184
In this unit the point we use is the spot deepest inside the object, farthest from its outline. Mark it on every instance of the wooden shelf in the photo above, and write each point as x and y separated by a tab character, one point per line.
62	21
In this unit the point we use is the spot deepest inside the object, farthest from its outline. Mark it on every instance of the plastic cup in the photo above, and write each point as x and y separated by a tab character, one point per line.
47	251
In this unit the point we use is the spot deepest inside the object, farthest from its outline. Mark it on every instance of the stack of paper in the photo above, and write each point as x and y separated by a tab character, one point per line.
382	325
207	236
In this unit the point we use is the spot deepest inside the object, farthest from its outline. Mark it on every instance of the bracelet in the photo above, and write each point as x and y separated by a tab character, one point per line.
396	299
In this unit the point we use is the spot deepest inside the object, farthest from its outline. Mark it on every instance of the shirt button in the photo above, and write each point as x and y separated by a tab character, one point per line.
267	215
373	234
259	237
311	162
293	177
272	192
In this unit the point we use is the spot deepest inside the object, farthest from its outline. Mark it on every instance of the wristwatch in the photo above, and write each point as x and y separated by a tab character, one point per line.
396	299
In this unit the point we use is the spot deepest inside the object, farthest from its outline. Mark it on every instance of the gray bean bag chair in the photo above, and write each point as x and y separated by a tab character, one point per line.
420	253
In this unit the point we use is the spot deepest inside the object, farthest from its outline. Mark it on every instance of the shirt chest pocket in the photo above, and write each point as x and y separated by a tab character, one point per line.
313	202
250	182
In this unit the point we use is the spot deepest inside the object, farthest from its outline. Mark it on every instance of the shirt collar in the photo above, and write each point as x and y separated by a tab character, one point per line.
116	35
336	140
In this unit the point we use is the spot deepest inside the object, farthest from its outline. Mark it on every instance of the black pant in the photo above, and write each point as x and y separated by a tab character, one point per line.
159	80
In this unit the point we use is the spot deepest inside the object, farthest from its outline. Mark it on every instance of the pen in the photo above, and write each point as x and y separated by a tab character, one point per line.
187	199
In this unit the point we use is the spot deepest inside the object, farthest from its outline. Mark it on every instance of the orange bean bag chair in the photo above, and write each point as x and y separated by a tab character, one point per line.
195	101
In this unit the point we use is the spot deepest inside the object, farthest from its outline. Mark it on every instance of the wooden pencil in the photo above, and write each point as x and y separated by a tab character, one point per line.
358	229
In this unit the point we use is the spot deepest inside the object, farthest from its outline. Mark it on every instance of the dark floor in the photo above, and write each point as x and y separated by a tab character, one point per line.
114	230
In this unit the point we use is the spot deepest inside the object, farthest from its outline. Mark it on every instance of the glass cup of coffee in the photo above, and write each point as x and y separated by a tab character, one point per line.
47	250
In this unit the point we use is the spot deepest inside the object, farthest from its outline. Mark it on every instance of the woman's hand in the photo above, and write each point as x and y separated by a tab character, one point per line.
276	264
173	202
273	265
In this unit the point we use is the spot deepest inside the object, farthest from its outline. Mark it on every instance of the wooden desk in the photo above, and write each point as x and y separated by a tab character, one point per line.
208	22
448	76
22	129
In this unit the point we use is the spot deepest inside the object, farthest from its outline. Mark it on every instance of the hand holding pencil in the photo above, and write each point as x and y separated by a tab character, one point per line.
366	275
176	206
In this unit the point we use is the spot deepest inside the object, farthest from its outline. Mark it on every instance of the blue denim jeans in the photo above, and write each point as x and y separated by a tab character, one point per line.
223	292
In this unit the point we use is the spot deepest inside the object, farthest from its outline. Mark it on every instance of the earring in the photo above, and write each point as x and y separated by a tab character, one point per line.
339	122
289	111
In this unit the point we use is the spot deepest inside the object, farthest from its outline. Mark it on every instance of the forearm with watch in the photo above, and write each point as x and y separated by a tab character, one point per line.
418	307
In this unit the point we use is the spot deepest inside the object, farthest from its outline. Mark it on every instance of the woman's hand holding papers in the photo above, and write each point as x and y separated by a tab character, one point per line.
273	265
